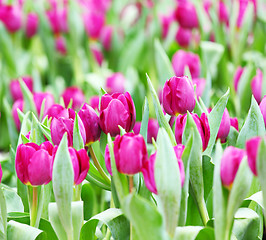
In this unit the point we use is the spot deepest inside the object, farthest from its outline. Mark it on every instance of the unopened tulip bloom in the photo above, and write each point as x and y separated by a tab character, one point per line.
19	104
117	109
33	163
56	111
230	163
186	15
32	23
256	85
91	123
130	154
94	23
97	54
57	19
152	131
263	108
116	83
148	169
106	37
224	128
178	96
201	123
94	102
15	89
234	123
183	37
237	76
165	21
223	13
136	128
243	4
252	147
200	85
39	98
60	45
77	96
11	16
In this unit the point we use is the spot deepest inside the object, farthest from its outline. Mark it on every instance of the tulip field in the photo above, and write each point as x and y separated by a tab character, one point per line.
132	120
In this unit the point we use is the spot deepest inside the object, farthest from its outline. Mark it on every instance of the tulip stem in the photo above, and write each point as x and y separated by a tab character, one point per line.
98	166
131	184
33	195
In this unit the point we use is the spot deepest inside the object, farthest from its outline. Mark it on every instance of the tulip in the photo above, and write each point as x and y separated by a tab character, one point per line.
234	123
11	16
252	147
106	37
76	95
60	45
15	89
117	109
115	83
166	22
223	13
32	23
148	169
39	98
243	4
19	104
94	102
263	108
256	85
183	37
97	54
230	162
130	154
186	15
178	96
56	111
57	19
202	126
224	128
136	128
237	76
94	23
91	123
130	14
33	163
1	173
200	85
182	59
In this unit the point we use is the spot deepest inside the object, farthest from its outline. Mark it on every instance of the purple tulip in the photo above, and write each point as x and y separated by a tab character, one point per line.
178	96
166	21
60	45
200	85
252	147
243	4
91	123
237	76
33	163
183	37
19	104
136	128
263	108
148	169
11	16
117	109
32	23
230	162
1	173
182	59
56	111
186	15
39	98
97	54
94	102
224	128
201	123
234	123
223	13
130	154
106	37
77	96
115	83
57	19
15	89
256	85
94	23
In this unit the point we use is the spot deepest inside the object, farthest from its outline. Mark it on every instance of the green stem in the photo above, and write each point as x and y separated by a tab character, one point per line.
203	212
77	192
131	184
33	207
98	166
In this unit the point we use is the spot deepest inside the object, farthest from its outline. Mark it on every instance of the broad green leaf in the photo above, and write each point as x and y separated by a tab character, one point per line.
257	197
168	183
77	138
253	126
145	120
113	218
77	218
13	201
103	142
232	136
187	232
36	134
215	118
25	127
46	132
3	215
88	197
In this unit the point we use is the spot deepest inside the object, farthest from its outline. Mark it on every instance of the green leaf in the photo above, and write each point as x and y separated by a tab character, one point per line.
145	218
232	136
145	120
46	132
78	142
77	218
103	142
88	197
13	201
3	215
63	179
253	126
187	233
257	197
215	118
25	127
36	134
168	183
113	218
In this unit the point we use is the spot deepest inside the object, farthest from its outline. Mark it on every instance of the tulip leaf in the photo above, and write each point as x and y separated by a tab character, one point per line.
145	218
103	142
215	118
163	64
25	127
187	232
232	136
36	134
168	183
3	215
253	126
46	132
113	218
258	198
145	120
77	218
159	112
88	196
78	142
63	186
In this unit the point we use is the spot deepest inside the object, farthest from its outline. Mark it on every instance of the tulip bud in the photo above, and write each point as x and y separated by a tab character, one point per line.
136	128
256	85
263	108
252	147
186	15
17	105
57	19
15	89
234	123
130	154
94	102
56	111
200	85
153	128
181	59
11	16
165	24
223	13
94	23
32	23
97	54
91	123
230	163
106	37
178	96
237	76
148	169
117	109
183	37
33	163
115	83
224	128
60	45
1	173
202	126
243	4
76	95
39	98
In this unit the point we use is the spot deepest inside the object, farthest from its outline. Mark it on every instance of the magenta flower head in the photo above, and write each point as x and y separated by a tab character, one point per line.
237	76
186	15
94	22
60	45
201	123
234	123
263	108
223	13
224	128
182	59
106	37
115	83
166	21
56	111
130	154
77	96
178	96
95	102
153	128
117	109
15	89
32	23
136	128
33	163
230	162
148	169
256	85
183	37
91	123
243	4
200	85
11	16
39	98
17	105
252	147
